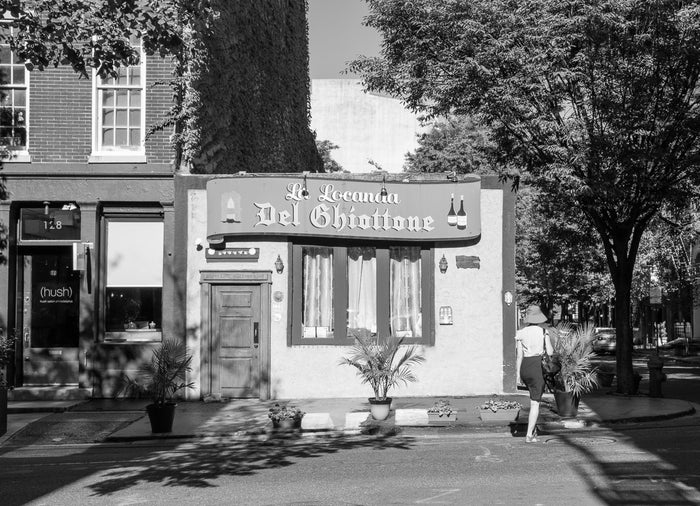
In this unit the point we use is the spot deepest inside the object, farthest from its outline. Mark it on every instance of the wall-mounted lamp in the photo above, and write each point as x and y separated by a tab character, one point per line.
383	191
46	207
443	264
304	190
279	265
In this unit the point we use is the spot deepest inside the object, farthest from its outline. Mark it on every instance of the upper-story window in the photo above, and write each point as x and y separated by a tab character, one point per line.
120	111
13	95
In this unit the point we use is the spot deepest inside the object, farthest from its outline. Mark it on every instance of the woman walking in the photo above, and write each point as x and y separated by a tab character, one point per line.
531	341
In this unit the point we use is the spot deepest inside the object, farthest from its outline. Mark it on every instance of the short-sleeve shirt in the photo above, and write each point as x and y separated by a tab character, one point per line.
532	338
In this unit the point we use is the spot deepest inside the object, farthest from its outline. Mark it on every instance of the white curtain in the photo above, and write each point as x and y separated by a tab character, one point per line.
405	287
318	291
362	291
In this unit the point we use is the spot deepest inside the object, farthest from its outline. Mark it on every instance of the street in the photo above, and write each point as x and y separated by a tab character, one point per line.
642	463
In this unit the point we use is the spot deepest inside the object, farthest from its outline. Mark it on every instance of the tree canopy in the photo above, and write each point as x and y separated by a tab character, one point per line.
597	100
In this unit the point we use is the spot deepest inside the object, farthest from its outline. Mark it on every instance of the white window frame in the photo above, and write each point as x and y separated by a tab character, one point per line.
107	154
19	155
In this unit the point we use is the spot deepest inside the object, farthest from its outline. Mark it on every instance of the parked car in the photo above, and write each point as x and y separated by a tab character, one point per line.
604	340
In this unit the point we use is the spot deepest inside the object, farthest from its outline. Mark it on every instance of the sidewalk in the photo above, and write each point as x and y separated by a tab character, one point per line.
124	421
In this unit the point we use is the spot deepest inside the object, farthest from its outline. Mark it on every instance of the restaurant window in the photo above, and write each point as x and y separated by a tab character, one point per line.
120	110
133	279
361	291
13	95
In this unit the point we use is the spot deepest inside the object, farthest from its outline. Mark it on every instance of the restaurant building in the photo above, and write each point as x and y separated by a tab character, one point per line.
284	271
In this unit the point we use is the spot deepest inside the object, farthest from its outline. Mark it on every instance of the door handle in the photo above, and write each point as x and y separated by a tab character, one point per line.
26	337
256	334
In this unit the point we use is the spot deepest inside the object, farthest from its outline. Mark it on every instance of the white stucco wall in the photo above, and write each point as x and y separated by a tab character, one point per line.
364	126
467	358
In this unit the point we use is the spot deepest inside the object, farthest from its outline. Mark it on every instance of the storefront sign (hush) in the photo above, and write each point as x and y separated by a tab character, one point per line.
325	207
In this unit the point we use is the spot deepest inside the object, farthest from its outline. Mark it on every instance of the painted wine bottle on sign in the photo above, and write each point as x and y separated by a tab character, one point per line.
461	215
452	216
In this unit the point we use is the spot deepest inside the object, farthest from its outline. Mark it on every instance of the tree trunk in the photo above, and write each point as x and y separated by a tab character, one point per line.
625	341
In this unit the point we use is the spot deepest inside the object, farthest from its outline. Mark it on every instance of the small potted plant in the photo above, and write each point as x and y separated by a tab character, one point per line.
376	364
441	413
499	410
285	417
161	379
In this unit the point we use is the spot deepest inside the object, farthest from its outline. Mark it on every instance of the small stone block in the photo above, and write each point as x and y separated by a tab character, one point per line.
317	421
411	417
353	420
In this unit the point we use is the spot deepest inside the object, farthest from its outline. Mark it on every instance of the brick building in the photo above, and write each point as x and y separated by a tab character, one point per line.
89	219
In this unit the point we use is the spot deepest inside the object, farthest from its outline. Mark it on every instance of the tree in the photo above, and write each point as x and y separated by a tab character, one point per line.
324	149
455	143
557	259
597	100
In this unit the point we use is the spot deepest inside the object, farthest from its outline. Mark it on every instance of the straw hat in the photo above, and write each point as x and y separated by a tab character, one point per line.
534	314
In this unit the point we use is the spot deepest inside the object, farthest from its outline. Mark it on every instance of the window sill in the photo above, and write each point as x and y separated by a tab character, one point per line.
133	336
17	157
117	158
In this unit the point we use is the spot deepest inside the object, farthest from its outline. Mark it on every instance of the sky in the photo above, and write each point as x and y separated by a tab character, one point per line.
336	36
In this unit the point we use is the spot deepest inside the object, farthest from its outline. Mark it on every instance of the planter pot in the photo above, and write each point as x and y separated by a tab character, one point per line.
287	424
436	419
567	404
3	411
379	408
161	417
606	378
501	415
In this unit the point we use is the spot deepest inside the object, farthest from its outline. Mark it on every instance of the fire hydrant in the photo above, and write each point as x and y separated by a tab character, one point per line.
656	376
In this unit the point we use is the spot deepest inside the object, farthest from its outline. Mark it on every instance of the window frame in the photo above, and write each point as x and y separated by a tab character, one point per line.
18	155
340	293
106	154
155	215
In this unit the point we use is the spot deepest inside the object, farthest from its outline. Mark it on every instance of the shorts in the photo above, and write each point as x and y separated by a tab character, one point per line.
531	374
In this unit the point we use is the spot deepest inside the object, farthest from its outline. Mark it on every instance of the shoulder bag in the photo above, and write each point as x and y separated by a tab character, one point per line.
549	364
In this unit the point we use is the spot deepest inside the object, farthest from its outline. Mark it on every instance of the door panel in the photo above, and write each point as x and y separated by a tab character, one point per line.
50	317
236	354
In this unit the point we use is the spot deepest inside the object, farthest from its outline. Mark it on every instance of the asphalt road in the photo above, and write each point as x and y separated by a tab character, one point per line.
635	464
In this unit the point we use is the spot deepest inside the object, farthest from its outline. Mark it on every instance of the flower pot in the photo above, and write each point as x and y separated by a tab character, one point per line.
567	404
436	419
3	410
287	424
161	417
379	408
501	415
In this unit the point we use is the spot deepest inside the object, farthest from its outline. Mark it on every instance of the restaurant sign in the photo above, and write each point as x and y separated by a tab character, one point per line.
327	207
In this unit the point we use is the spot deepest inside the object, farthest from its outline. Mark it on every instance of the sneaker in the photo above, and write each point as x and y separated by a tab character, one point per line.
531	439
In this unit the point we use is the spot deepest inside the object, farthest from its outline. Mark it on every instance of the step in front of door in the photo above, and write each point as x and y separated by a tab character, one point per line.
50	393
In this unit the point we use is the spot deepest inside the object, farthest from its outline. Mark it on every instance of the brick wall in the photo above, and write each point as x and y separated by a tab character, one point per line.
60	115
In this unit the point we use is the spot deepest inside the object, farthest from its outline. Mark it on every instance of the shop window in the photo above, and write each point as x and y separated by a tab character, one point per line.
13	96
133	279
120	112
347	292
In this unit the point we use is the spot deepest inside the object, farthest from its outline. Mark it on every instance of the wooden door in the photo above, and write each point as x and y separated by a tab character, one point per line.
235	340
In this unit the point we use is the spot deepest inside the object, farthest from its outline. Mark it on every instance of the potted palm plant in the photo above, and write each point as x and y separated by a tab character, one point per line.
160	379
377	364
572	348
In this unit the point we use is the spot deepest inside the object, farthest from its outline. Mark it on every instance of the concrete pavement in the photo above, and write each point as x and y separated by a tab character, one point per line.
249	417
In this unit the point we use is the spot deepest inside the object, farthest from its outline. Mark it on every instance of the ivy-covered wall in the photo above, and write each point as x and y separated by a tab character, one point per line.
250	90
